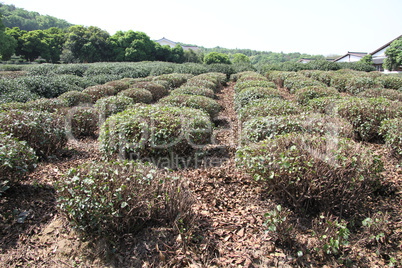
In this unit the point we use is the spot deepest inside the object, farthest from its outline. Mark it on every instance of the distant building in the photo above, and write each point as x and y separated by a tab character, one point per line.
307	60
351	57
164	41
379	55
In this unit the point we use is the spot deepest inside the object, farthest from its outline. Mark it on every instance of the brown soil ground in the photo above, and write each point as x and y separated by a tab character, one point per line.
227	229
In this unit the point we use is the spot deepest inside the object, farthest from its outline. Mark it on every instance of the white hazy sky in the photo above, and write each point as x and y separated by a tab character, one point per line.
307	26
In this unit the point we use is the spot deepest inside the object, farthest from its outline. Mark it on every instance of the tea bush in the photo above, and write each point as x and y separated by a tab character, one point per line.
154	131
75	98
174	80
157	90
216	77
82	122
367	114
357	84
391	131
99	91
261	128
250	76
191	90
279	77
340	80
295	83
253	83
45	105
313	173
226	69
325	105
251	94
16	158
139	95
197	82
390	81
390	94
268	107
322	76
206	104
109	199
305	94
42	131
112	105
118	85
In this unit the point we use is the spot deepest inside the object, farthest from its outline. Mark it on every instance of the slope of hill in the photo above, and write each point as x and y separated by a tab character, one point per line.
28	20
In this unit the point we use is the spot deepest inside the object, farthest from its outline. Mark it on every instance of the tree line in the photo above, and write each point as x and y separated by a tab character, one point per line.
29	20
87	44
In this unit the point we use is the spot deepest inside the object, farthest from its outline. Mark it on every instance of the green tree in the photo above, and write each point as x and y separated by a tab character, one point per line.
177	54
16	33
133	46
240	58
7	43
162	53
191	56
368	59
87	44
33	44
216	57
394	55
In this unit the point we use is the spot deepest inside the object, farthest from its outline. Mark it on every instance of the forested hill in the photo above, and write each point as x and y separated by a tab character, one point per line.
28	20
264	57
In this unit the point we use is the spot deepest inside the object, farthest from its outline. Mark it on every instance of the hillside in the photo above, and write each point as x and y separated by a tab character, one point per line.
29	20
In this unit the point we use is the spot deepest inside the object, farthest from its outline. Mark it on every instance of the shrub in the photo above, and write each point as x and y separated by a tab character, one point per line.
109	199
216	77
216	57
322	65
191	90
99	91
332	235
21	95
295	83
339	81
206	104
305	94
42	131
250	76
261	128
174	80
82	122
118	85
390	81
390	94
253	83
391	131
49	86
367	114
45	105
155	131
157	90
16	158
325	105
112	105
279	77
357	84
268	107
139	95
197	82
313	173
226	69
75	98
248	95
322	76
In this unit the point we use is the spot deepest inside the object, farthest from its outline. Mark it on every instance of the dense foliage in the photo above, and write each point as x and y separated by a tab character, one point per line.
114	198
